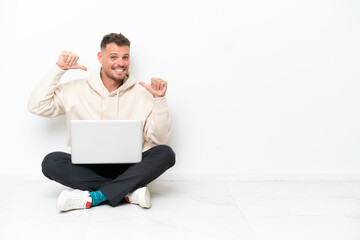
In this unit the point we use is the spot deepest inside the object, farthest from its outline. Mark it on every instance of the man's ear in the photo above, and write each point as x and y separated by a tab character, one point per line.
99	57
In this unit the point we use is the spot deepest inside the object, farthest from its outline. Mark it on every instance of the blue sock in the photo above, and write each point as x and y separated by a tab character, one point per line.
97	197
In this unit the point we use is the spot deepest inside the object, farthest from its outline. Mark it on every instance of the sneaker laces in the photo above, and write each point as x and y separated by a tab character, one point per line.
78	194
79	199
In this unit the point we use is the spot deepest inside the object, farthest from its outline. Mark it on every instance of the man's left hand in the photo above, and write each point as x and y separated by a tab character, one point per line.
157	88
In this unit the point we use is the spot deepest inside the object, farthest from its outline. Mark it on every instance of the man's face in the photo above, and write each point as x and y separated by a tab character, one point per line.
115	61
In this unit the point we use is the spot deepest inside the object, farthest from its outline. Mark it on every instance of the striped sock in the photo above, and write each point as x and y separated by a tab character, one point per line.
97	197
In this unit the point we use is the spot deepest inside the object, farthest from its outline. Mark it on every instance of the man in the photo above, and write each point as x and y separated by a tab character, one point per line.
110	92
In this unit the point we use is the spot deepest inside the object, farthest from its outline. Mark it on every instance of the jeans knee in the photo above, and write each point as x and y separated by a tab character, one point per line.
49	165
169	155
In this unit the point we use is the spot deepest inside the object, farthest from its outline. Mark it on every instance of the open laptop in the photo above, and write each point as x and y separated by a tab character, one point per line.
106	141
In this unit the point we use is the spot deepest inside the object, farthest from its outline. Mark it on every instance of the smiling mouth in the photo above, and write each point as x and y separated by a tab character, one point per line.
119	70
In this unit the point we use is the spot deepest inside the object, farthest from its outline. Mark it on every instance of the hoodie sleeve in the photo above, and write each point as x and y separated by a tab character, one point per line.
157	126
47	99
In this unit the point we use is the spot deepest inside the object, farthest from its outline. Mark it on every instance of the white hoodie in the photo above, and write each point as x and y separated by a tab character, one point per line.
88	99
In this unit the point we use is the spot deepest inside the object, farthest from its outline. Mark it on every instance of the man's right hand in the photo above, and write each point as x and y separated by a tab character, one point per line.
68	60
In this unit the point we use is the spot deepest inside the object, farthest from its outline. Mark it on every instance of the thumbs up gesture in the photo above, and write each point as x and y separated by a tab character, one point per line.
68	60
157	87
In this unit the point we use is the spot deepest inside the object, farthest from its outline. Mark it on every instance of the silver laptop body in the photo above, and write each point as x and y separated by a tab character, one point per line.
106	141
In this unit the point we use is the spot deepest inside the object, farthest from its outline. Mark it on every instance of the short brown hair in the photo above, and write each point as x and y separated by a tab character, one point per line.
119	39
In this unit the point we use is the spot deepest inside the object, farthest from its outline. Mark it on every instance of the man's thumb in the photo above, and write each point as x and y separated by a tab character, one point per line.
148	87
81	67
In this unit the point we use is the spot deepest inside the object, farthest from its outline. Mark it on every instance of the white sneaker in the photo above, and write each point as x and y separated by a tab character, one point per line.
140	196
76	199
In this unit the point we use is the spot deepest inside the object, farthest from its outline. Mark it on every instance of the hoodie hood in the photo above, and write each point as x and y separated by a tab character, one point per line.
97	84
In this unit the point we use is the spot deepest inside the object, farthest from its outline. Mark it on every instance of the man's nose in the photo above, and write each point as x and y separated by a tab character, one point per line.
120	62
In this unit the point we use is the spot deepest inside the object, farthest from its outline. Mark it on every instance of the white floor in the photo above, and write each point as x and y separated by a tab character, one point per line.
190	210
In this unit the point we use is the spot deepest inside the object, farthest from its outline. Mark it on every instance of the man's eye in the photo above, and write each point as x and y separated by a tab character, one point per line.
113	57
126	58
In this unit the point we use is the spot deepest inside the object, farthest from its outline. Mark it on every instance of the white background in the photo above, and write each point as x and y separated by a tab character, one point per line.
257	89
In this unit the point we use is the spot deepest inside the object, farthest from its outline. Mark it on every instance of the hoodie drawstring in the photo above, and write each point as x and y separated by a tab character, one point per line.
117	105
101	100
